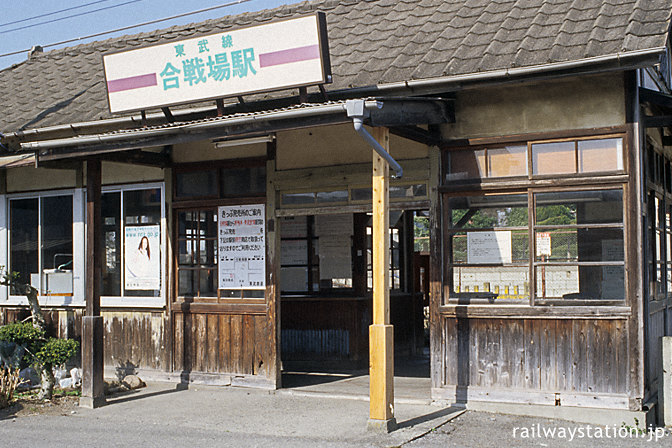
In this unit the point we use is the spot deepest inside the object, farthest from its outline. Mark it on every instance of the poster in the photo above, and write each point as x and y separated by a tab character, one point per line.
543	244
335	257
294	227
142	256
242	247
491	247
338	224
613	281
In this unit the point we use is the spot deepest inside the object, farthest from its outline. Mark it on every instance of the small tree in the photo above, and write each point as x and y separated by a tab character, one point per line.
41	352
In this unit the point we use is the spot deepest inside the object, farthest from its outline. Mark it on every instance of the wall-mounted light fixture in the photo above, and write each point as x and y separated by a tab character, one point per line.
243	141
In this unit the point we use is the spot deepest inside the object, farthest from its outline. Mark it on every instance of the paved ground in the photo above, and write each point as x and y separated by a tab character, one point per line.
165	416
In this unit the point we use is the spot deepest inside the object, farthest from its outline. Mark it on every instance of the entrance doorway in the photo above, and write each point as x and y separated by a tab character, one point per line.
326	283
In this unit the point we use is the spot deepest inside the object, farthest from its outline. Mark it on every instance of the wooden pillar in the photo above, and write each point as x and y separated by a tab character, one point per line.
381	333
93	394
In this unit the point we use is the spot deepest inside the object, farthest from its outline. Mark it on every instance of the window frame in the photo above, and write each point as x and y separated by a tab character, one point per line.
123	301
530	176
78	242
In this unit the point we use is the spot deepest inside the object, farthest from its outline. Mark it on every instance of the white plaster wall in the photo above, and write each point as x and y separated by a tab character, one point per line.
34	179
335	145
571	103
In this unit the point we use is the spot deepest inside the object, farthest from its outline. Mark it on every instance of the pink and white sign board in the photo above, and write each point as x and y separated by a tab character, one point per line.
277	55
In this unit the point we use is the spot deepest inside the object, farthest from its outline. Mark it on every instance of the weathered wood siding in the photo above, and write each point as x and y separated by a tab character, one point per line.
586	356
223	343
133	339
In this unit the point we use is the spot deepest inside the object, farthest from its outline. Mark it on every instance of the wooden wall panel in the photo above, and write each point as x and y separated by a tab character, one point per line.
222	343
135	340
546	355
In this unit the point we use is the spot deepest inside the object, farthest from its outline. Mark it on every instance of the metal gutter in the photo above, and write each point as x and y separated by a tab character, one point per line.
187	128
358	112
419	84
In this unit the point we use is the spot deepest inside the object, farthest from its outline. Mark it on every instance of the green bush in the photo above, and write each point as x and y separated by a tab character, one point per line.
57	351
39	349
25	335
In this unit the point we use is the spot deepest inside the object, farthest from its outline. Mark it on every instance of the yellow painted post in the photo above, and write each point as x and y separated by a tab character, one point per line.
381	333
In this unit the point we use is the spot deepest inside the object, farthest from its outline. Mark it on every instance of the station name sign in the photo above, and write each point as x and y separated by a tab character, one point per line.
278	55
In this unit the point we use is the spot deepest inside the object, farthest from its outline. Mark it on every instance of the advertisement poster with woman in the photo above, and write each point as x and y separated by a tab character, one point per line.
142	257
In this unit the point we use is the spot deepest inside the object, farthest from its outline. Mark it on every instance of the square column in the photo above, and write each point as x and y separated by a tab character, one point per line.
93	385
381	333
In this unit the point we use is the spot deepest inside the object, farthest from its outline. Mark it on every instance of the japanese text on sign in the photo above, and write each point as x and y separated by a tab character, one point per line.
242	247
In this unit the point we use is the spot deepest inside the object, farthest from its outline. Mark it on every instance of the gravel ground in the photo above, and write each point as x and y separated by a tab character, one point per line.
164	416
481	429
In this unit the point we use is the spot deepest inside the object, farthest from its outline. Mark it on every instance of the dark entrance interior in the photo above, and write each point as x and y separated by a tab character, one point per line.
326	284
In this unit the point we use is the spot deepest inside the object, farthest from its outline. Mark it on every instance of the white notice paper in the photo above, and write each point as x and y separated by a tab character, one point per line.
242	247
490	247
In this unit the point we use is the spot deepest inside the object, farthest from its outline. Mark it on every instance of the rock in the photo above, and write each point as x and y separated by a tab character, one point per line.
132	382
60	374
76	375
66	383
31	377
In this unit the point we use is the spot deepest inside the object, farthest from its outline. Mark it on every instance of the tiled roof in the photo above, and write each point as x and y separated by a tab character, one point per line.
371	42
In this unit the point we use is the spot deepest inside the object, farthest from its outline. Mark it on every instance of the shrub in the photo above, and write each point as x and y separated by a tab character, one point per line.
57	351
9	381
25	335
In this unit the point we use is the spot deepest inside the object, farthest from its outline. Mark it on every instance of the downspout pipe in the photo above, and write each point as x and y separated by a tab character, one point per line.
358	112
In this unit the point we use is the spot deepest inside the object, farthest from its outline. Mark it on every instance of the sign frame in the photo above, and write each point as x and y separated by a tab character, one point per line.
323	45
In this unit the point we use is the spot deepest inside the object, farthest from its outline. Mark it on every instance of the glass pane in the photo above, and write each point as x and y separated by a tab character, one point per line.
23	256
361	194
508	161
298	198
56	224
208	283
185	283
579	207
111	212
407	191
571	245
196	184
294	279
553	158
142	206
495	284
254	293
479	212
332	196
490	247
244	181
142	242
600	155
580	282
466	165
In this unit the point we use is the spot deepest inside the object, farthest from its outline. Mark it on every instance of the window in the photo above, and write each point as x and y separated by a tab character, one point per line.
398	193
199	191
211	183
197	253
41	243
583	255
488	248
576	252
316	253
132	263
591	155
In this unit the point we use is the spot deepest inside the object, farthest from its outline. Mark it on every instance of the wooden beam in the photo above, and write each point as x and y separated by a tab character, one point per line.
654	97
657	121
381	333
168	114
93	394
417	134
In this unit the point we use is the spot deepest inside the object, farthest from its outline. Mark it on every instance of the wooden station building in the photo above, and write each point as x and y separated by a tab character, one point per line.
532	219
